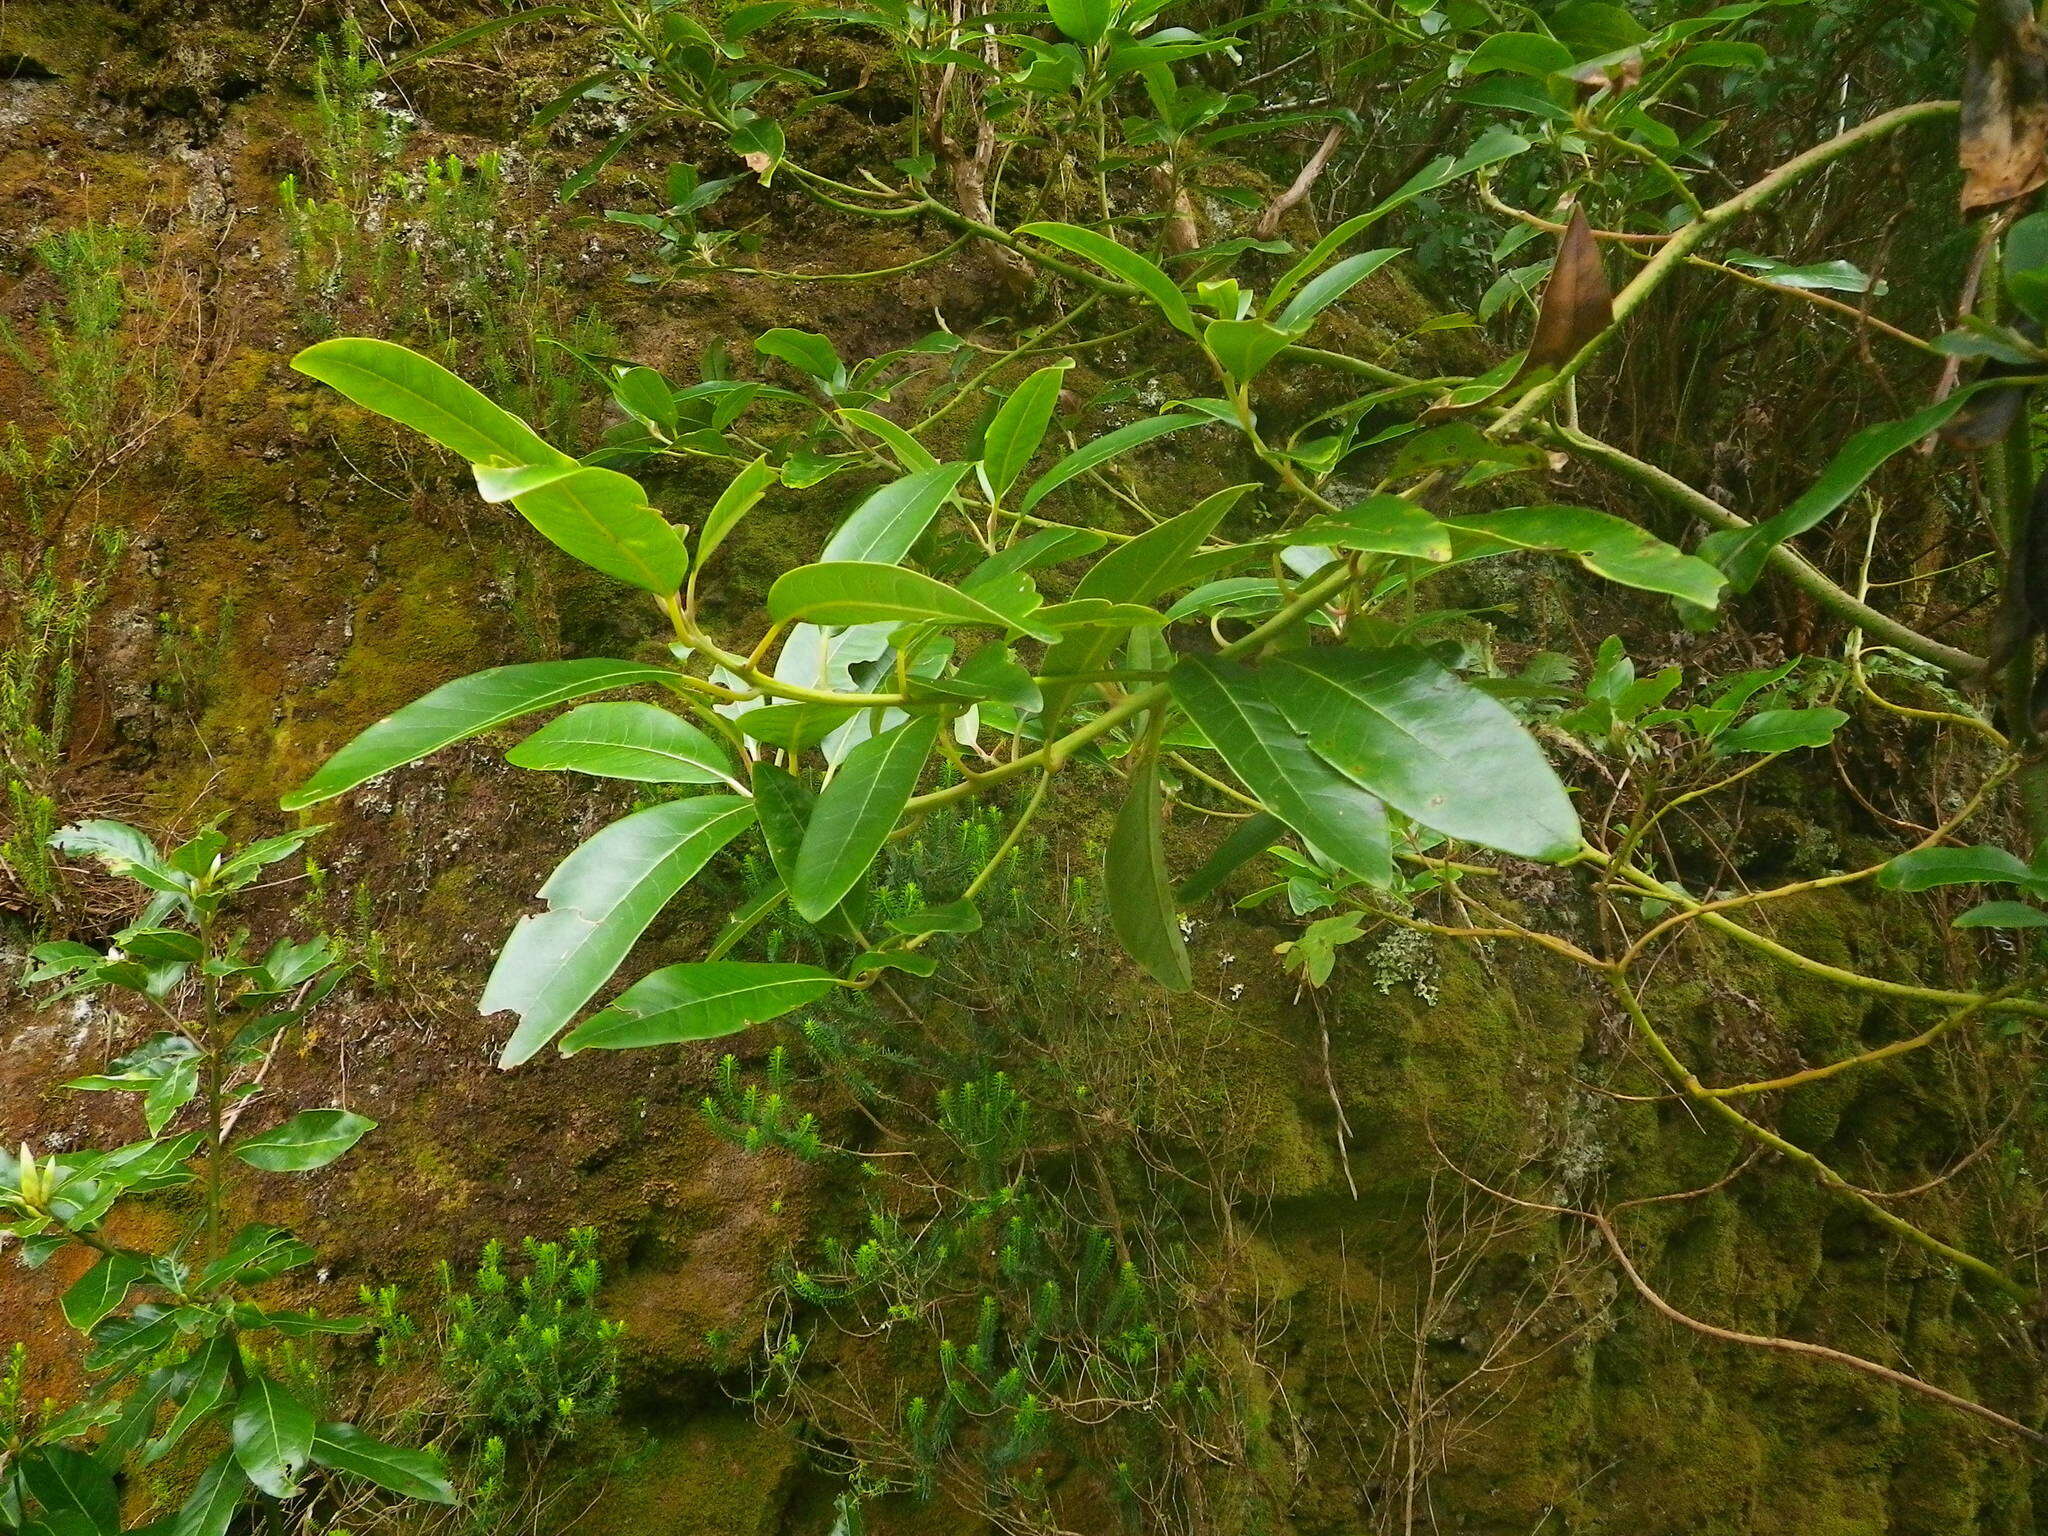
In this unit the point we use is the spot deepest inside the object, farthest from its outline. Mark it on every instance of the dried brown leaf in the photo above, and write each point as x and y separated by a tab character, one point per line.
1577	303
2004	145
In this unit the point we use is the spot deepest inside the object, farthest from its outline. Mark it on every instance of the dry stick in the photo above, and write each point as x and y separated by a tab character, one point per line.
1302	185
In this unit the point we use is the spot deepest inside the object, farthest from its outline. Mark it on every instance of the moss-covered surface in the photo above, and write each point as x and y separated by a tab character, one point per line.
1407	1355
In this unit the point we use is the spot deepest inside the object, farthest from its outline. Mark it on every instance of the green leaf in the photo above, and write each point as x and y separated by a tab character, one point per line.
1244	347
273	1436
313	1138
210	1384
1521	53
856	592
598	516
417	392
461	709
1141	911
641	742
68	1481
2026	265
759	141
1782	730
1607	546
101	1289
1741	552
805	351
1252	838
855	814
1399	724
1333	815
1092	455
2002	914
1087	22
909	452
1326	288
734	502
794	727
600	900
1379	525
699	1001
1122	263
1018	428
210	1507
416	1474
1925	868
1134	572
960	916
882	529
782	806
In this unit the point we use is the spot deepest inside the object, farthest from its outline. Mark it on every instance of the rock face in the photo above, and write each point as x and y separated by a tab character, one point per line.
1290	1312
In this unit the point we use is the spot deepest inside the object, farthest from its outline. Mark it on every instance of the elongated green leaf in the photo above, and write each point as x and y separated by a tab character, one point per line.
210	1507
1017	429
313	1138
1244	347
209	1385
1134	572
1092	455
782	805
794	727
417	1474
1742	552
734	502
910	453
1783	730
1330	812
1141	911
805	351
600	900
1326	288
1607	546
699	1001
461	709
856	813
1926	868
1399	724
623	740
1252	838
72	1487
100	1289
1122	263
598	516
417	392
2002	914
882	529
1379	525
855	592
273	1436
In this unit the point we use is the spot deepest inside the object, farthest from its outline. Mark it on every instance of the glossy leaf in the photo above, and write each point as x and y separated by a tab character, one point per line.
1122	263
1141	910
101	1289
624	740
699	1001
1252	837
598	516
1087	22
882	529
72	1487
209	1384
805	351
1399	724
416	1474
855	814
1925	868
1783	730
273	1436
1326	288
210	1507
852	592
1244	347
909	452
600	900
739	497
417	392
1330	812
1379	525
2002	914
313	1138
1093	455
461	709
1604	545
1016	430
